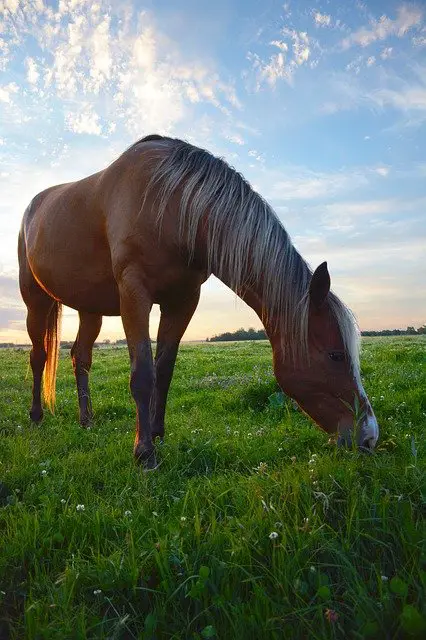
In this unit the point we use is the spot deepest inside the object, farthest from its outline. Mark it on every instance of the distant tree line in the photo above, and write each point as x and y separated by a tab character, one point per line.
253	334
409	331
240	334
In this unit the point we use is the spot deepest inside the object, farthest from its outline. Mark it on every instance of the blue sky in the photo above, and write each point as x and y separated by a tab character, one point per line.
322	106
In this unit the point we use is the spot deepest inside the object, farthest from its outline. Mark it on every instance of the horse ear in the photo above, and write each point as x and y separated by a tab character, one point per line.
320	285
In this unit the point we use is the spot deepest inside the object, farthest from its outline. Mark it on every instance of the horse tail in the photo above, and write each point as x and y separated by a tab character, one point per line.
52	345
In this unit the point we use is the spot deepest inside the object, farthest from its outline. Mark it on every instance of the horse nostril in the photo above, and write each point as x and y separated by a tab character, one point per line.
344	439
367	445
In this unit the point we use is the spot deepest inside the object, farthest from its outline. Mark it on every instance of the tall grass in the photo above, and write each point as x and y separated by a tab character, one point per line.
254	526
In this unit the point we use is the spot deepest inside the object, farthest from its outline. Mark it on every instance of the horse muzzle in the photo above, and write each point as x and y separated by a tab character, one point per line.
365	435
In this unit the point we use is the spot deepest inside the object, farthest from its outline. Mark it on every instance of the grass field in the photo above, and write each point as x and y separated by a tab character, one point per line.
254	526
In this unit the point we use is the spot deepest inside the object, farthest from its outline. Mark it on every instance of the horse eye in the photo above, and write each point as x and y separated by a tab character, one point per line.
337	356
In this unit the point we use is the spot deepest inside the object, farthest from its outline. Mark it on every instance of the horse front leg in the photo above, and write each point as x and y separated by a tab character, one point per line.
174	320
135	306
81	354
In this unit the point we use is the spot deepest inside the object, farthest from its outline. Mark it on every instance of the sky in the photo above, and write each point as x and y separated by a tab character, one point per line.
321	105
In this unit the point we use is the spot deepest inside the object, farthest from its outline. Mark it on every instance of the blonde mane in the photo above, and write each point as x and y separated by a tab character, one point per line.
245	240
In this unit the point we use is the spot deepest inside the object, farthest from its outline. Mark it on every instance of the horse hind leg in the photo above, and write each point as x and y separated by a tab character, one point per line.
81	354
43	323
43	317
36	327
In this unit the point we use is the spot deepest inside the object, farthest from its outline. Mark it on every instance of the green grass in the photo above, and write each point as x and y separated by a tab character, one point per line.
185	552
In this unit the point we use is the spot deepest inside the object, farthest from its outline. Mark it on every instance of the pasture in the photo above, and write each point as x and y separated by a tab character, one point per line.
255	526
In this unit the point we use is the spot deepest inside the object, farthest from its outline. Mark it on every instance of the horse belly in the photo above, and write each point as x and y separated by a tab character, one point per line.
101	297
80	291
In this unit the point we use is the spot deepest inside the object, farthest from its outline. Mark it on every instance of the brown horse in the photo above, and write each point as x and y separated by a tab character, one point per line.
151	228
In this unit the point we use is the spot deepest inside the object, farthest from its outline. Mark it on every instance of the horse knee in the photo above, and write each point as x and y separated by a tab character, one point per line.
81	361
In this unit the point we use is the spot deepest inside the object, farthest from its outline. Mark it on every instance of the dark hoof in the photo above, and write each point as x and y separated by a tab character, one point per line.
145	458
86	422
36	415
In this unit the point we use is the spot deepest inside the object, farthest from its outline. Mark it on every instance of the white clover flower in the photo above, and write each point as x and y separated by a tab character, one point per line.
80	507
63	501
273	535
127	514
182	519
384	578
44	472
97	592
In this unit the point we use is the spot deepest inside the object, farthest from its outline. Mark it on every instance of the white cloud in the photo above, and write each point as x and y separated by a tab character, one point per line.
382	171
322	19
9	5
303	184
236	139
419	41
386	53
301	46
406	95
4	53
282	65
32	73
7	90
115	59
407	18
343	215
355	65
280	45
406	98
270	71
256	155
101	66
87	121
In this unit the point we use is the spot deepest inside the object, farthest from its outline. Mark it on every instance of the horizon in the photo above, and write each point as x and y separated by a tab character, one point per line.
321	107
212	339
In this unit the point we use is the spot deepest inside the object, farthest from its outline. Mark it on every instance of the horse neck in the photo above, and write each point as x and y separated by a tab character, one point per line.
254	298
